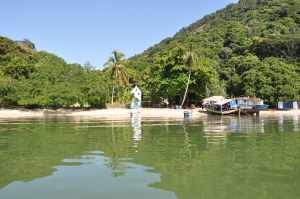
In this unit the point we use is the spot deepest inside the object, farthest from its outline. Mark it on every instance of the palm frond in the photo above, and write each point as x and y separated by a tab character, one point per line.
118	56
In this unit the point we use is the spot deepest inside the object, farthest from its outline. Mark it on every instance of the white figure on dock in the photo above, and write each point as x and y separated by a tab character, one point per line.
137	98
136	115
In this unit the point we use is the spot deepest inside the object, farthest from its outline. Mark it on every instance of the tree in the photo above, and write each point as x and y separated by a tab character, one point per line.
272	80
88	66
248	4
170	77
233	71
236	38
27	44
190	61
118	71
6	89
33	78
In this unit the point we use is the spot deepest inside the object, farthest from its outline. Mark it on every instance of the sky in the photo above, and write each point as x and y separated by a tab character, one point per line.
89	30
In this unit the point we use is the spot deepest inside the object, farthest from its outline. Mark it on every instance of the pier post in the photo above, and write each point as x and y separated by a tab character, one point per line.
257	114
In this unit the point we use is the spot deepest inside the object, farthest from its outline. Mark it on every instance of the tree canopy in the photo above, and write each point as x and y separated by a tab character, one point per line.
250	48
40	79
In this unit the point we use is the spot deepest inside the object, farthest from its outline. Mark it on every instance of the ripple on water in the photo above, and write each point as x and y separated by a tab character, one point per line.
218	157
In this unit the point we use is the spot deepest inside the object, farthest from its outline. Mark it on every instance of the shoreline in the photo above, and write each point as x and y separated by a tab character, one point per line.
122	113
106	114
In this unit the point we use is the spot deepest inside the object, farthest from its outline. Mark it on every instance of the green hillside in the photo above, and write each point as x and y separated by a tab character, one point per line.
32	78
251	48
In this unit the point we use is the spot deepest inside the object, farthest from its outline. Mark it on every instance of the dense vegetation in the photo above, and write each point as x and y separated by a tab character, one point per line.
39	79
251	48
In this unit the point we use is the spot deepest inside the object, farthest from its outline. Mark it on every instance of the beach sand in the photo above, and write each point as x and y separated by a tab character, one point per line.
10	113
111	114
122	113
278	113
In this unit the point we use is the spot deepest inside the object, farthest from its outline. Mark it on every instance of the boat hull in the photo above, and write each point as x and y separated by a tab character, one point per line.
262	107
249	111
229	112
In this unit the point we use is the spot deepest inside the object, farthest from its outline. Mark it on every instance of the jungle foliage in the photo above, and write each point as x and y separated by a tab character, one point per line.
39	79
250	48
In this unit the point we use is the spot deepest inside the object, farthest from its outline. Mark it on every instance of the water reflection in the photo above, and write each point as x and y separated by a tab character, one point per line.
246	125
296	123
77	182
280	123
221	157
136	124
215	131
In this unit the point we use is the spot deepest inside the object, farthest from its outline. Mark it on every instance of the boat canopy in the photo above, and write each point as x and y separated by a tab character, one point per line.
213	99
225	101
252	99
231	102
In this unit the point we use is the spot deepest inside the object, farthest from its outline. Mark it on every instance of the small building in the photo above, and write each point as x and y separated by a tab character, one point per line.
289	105
249	102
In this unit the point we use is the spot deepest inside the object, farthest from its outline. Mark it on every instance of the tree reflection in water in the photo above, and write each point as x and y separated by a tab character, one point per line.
219	157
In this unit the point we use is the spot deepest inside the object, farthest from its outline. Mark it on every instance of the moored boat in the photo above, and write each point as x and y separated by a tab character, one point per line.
223	107
262	107
240	105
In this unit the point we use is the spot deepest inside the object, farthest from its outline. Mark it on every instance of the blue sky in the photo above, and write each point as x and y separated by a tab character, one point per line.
89	30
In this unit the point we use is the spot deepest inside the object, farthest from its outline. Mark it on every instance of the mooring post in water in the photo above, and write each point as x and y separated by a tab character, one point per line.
187	114
257	114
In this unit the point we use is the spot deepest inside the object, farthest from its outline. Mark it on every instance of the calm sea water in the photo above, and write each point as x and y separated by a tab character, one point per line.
214	158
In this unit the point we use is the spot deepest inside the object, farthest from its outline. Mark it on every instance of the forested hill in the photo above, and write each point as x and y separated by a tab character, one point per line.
251	48
32	78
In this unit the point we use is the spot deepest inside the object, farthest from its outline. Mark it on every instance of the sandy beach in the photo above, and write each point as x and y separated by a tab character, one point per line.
111	114
121	113
278	113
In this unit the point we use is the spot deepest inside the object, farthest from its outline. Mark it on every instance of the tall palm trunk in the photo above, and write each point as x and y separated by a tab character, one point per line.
187	88
118	75
112	94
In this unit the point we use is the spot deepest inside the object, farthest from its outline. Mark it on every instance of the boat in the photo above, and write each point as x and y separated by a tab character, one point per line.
240	105
223	107
212	100
261	107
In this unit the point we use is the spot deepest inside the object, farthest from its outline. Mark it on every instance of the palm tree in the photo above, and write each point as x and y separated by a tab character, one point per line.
118	71
190	60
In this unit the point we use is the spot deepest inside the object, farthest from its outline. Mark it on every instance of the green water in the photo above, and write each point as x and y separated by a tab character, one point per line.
214	158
